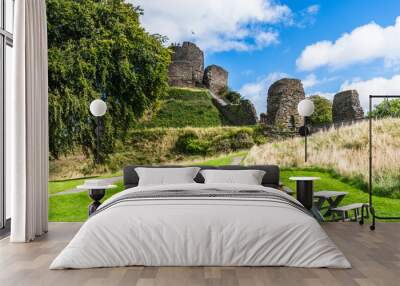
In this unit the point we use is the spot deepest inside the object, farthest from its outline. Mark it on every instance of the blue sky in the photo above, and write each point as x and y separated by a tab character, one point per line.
331	45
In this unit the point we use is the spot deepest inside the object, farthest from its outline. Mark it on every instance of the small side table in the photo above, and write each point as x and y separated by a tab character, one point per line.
305	194
96	193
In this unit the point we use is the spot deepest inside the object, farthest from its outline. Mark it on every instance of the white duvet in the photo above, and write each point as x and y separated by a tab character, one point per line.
202	232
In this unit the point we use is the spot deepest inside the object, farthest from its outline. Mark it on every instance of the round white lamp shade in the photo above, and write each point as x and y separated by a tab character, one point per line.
98	107
305	107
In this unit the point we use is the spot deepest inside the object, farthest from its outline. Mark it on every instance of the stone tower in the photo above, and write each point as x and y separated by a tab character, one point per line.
346	106
215	78
283	97
187	66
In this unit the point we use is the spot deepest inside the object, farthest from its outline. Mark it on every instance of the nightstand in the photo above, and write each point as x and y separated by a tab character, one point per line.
96	192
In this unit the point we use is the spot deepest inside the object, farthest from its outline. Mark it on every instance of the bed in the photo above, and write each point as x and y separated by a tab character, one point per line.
201	224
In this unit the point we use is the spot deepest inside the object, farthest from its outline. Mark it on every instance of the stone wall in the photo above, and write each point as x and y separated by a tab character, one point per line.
346	106
215	78
187	66
240	114
283	97
263	118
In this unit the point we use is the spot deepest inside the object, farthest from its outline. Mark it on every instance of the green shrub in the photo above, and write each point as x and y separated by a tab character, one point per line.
230	95
221	144
387	108
242	140
233	97
233	141
189	143
323	110
259	139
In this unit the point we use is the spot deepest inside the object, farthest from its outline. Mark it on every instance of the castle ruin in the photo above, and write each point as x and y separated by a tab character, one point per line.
187	70
283	97
187	66
346	106
215	78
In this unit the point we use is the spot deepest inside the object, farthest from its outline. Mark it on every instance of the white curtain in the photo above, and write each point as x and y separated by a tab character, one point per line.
27	123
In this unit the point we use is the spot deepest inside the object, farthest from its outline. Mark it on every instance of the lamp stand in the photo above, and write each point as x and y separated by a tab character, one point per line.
98	132
305	139
304	131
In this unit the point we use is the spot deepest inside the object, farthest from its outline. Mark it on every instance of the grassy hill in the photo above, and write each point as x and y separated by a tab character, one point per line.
184	107
187	126
345	152
161	146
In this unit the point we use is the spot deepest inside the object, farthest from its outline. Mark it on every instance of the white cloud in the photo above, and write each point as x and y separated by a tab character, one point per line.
327	95
306	17
374	86
264	39
257	91
313	9
310	81
215	25
363	44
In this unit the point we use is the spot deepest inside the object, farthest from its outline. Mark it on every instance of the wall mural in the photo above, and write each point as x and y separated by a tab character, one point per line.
165	105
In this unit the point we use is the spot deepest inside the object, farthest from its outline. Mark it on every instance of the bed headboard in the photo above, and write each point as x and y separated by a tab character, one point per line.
270	179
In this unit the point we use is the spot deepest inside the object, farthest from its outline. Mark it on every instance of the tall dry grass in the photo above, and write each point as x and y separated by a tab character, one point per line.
344	150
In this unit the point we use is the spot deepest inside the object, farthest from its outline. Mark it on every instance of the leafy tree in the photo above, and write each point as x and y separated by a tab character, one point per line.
230	95
97	49
387	108
233	97
323	110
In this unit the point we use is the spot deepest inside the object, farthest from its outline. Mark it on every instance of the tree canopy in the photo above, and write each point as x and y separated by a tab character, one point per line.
230	95
323	110
387	108
97	49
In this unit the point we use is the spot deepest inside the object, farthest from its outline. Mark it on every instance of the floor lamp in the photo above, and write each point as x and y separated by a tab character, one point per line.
372	210
305	109
98	108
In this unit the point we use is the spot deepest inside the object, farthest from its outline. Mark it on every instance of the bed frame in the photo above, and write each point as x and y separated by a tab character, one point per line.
270	179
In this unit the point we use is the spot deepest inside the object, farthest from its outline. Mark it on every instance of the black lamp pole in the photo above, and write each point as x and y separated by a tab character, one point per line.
99	132
305	139
97	159
305	131
305	109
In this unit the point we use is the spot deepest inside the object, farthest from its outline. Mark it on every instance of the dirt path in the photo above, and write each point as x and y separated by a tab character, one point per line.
237	160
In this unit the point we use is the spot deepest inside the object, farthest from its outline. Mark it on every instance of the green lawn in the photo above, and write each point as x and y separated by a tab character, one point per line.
73	207
383	206
186	107
63	185
60	186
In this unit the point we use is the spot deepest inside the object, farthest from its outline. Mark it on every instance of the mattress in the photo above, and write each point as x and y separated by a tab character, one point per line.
201	225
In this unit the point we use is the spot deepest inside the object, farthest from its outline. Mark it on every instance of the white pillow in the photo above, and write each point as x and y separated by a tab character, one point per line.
166	176
247	177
